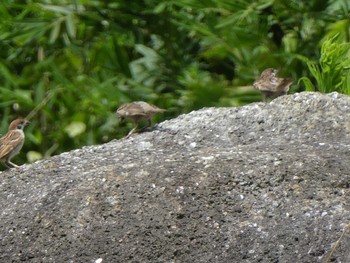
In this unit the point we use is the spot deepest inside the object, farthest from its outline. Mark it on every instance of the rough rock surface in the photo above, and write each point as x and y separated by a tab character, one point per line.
259	183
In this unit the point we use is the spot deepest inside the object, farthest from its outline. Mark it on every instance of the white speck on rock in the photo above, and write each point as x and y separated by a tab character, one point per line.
112	200
128	166
207	158
144	146
180	190
142	173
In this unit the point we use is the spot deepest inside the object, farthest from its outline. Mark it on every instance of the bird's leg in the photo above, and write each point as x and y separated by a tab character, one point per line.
265	97
131	132
10	164
6	165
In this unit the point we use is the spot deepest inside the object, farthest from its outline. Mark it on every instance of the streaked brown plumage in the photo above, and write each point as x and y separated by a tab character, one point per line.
12	142
270	85
138	111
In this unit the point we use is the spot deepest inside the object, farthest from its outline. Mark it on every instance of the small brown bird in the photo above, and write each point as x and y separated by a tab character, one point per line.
12	142
270	85
138	111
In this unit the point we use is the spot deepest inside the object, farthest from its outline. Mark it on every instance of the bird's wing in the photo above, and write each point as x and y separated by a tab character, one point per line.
131	109
284	85
9	141
266	85
150	108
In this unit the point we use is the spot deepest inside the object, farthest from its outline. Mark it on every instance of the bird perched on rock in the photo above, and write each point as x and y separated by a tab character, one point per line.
12	142
138	111
270	85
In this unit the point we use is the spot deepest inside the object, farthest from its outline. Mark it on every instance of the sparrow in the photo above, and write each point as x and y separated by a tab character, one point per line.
12	142
270	85
137	111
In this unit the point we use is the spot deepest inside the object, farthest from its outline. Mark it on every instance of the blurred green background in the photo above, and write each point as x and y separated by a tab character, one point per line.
90	56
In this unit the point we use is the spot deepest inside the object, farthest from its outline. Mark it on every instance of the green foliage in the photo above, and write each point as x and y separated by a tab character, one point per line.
91	56
332	72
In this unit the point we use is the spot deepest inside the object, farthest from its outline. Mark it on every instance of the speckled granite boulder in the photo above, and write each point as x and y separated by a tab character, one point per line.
260	183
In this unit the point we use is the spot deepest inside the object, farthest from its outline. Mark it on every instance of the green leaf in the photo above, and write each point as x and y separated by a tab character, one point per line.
54	8
75	129
308	84
55	32
33	156
70	25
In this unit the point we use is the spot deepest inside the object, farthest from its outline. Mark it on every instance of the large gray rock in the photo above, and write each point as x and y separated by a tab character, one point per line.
260	183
